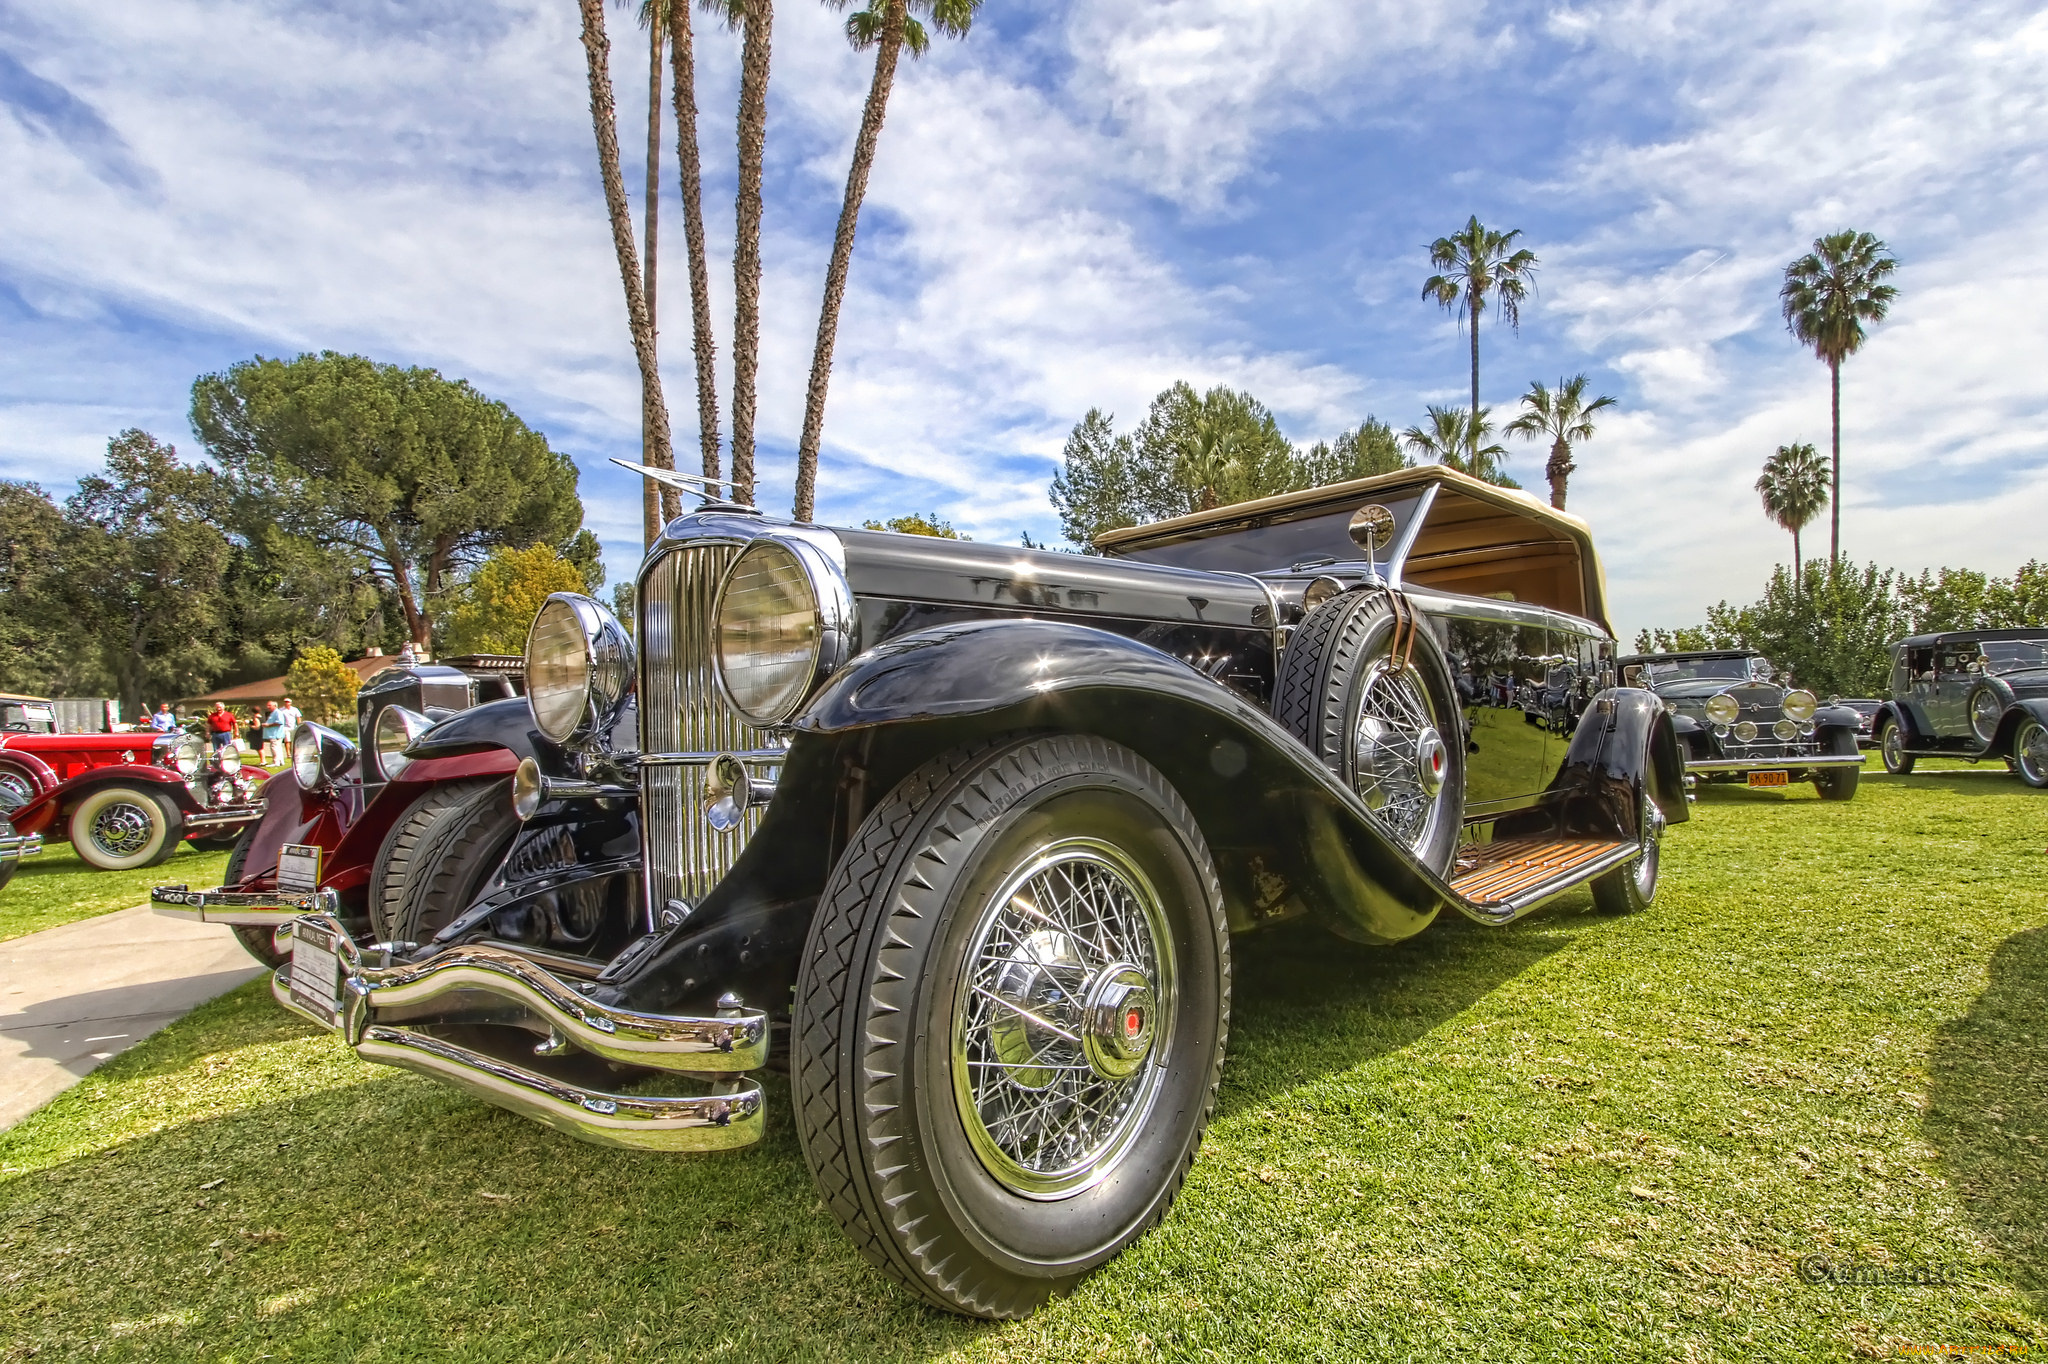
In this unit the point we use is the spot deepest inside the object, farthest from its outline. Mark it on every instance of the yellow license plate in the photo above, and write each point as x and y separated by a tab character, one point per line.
1767	779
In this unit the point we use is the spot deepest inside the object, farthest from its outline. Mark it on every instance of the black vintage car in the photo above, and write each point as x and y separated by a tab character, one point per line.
1738	723
1970	694
969	830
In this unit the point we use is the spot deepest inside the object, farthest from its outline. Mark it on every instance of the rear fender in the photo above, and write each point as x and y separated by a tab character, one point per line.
1624	748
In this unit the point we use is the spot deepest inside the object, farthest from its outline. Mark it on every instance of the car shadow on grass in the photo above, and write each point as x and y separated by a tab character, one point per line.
1987	1109
1307	1003
1992	779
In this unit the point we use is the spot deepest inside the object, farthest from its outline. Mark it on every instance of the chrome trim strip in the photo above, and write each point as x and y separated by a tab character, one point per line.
1397	553
208	819
1790	763
249	909
712	1122
734	1043
1529	898
752	755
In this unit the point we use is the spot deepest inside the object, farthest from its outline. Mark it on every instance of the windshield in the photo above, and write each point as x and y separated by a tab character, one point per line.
1705	670
2011	655
1307	542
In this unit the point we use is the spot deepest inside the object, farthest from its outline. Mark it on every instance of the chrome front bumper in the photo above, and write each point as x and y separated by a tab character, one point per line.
14	847
1791	762
249	909
223	817
374	1004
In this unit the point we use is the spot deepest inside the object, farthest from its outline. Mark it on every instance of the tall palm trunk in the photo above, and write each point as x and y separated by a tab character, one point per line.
746	250
604	121
659	503
1835	489
1559	469
1797	567
704	344
1474	443
842	257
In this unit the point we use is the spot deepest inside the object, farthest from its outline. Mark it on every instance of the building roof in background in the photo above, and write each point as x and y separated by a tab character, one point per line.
274	689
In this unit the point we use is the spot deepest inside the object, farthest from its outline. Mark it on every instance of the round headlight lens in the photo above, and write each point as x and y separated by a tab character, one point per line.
395	728
768	633
579	664
1722	709
306	758
1785	730
230	761
189	756
1800	704
1745	732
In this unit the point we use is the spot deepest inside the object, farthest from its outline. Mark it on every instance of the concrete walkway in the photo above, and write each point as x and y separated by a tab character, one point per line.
71	997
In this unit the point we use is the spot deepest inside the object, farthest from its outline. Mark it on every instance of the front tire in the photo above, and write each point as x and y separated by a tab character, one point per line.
259	941
1839	783
2030	753
1891	747
454	860
123	828
409	834
1010	1019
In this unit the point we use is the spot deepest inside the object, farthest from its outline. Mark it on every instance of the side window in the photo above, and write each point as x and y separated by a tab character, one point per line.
1919	665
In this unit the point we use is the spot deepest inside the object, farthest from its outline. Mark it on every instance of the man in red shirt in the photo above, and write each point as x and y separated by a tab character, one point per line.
221	721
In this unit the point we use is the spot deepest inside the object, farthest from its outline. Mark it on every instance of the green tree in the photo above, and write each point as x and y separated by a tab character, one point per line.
1474	264
143	567
1369	448
1964	599
655	447
321	685
2021	603
1794	487
1453	437
914	524
1565	418
495	605
33	634
1828	295
1832	631
887	26
1191	450
419	475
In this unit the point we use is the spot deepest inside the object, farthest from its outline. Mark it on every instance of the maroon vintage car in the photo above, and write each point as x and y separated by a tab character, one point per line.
126	800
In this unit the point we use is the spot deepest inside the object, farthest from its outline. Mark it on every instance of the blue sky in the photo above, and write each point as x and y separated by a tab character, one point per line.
1073	208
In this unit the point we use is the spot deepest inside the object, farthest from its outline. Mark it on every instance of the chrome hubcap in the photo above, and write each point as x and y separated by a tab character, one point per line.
121	830
1398	757
1062	1021
15	792
1894	748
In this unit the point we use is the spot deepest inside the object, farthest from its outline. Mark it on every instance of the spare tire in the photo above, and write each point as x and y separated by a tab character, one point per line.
1379	722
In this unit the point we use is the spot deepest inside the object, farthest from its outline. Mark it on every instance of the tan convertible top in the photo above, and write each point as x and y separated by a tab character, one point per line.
1477	539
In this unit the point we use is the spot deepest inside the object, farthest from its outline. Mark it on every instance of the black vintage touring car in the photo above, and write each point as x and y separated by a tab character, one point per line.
976	825
1737	722
1971	694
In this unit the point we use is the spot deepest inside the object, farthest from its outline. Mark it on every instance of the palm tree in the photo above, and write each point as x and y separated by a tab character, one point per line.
1794	487
658	502
604	121
704	345
1472	264
1452	437
1563	415
1829	293
888	27
756	21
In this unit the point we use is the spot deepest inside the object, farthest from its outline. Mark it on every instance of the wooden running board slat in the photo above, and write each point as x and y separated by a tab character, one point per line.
1494	873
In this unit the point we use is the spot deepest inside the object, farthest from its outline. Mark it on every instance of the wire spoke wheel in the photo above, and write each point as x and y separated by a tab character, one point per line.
121	830
1059	1017
15	790
1398	755
2030	753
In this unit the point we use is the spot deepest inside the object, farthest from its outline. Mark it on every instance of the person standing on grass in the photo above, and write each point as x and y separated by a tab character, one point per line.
288	716
220	721
274	732
163	722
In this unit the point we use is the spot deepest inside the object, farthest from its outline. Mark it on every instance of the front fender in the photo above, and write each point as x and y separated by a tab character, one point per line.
2016	714
1892	710
1838	717
1283	827
506	724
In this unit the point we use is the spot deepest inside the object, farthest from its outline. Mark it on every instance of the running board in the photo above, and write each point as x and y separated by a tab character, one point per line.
1495	882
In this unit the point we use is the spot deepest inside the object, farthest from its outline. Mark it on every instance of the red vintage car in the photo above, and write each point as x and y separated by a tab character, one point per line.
126	800
341	830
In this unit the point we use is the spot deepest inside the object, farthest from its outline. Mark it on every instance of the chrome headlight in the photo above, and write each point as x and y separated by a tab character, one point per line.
1800	704
230	761
579	666
395	728
1785	730
1722	709
1745	732
189	755
319	755
783	623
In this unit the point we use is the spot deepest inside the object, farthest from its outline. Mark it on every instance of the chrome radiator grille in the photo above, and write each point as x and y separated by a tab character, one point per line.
684	715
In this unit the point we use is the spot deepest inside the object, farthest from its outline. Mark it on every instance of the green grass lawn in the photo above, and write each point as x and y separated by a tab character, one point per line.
54	887
1574	1138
